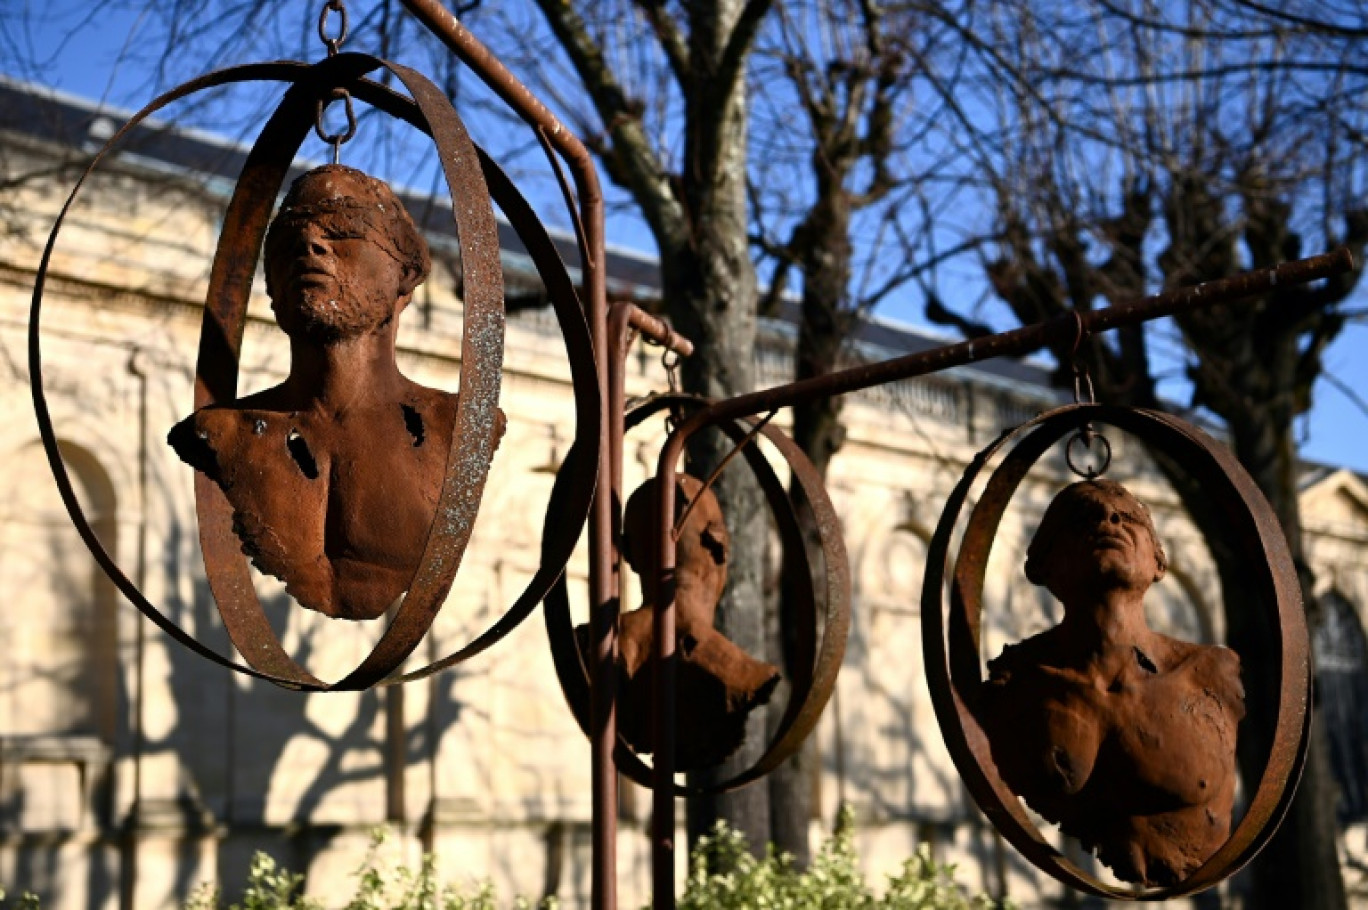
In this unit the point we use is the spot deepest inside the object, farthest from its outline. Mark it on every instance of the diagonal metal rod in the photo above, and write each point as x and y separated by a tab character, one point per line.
1015	343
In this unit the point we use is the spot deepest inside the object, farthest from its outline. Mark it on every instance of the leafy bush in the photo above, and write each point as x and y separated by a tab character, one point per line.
379	886
833	881
723	876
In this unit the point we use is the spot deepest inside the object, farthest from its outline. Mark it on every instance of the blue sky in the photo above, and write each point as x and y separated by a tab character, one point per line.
1335	432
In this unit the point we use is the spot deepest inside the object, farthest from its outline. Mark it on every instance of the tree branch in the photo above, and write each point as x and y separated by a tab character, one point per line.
671	39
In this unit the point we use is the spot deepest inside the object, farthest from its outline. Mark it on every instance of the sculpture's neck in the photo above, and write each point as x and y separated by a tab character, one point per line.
338	376
1114	620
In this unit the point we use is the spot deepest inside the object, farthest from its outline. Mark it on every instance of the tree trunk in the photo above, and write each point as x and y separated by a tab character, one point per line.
710	294
824	252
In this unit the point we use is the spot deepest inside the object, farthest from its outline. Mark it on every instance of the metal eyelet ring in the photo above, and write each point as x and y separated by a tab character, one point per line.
1087	437
336	140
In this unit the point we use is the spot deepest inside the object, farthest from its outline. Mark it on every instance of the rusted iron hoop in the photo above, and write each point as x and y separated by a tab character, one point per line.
473	436
954	672
563	298
809	693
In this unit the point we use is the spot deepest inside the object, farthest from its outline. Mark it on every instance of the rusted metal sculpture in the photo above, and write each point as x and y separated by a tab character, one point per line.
821	617
1122	736
334	474
471	180
951	636
952	667
719	684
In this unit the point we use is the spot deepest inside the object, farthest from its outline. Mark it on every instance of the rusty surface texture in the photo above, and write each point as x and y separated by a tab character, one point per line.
954	673
475	423
719	684
1122	736
1151	761
823	616
1059	330
225	315
334	474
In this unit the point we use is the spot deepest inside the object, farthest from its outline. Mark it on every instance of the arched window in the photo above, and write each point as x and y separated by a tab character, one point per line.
58	682
1342	676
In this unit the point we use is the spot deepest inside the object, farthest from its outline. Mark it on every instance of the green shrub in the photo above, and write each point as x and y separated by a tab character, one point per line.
725	876
379	886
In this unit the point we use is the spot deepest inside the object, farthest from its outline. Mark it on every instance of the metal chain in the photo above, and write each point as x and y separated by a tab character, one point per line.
1082	383
331	43
338	94
669	359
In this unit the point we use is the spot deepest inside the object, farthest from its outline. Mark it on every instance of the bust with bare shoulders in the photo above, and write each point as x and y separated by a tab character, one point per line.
1122	736
717	684
334	475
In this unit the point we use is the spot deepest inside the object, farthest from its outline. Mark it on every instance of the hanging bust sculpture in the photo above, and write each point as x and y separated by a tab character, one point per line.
334	475
718	683
1122	736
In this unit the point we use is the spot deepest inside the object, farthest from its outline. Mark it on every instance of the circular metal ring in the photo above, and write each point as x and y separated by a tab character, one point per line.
1083	436
217	373
809	691
950	639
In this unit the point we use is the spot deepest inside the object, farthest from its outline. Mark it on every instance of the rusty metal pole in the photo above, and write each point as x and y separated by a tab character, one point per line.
1015	343
624	319
603	609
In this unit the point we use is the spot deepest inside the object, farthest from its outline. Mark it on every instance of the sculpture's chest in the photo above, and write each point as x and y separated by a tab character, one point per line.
1172	734
362	489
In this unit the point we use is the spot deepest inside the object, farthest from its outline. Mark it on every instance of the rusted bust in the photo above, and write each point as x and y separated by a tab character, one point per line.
1122	736
334	474
718	684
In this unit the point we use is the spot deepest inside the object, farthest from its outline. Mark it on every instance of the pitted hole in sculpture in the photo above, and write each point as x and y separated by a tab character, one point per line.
299	451
413	422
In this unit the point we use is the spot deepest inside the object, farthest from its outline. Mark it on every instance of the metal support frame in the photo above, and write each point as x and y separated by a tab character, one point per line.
611	336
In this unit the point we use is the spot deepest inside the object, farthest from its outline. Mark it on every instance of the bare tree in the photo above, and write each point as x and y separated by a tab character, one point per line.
1138	145
667	83
837	117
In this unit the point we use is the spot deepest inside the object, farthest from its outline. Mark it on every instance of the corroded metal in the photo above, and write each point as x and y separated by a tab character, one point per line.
950	642
720	684
475	427
264	659
822	616
334	474
1122	736
575	485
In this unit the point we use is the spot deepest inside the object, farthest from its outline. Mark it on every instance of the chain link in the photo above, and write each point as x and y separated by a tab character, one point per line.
331	43
335	139
669	359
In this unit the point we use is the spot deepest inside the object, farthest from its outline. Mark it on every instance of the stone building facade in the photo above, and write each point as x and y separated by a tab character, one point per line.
131	770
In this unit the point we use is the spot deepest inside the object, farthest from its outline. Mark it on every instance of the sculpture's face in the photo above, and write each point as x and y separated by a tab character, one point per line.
334	273
1100	537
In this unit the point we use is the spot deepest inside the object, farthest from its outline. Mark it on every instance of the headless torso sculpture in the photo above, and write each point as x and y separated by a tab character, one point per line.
1122	736
334	474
